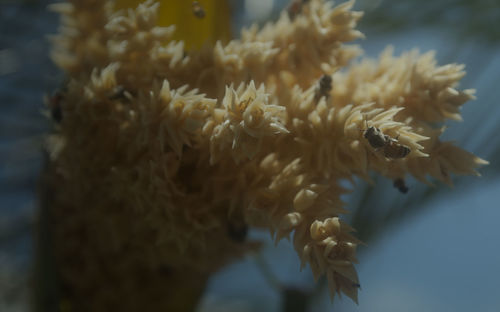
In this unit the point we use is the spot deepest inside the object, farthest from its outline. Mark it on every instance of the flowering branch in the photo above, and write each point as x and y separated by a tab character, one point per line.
159	154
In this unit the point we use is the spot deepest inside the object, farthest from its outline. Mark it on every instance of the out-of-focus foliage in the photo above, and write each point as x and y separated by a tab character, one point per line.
466	18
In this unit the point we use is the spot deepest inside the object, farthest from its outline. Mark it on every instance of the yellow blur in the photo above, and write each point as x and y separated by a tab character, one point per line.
195	31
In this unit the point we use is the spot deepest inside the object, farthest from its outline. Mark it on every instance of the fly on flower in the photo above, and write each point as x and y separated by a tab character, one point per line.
324	87
375	137
391	147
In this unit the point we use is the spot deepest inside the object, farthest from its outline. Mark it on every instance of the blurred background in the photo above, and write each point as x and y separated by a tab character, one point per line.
432	249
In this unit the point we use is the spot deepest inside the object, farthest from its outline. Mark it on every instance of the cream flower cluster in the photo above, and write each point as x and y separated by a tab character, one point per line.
162	162
242	122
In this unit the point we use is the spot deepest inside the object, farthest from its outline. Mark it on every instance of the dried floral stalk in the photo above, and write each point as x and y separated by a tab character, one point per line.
163	157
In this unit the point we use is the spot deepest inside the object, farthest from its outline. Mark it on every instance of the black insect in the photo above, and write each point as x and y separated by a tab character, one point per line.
375	137
198	10
390	146
393	149
401	185
237	230
324	87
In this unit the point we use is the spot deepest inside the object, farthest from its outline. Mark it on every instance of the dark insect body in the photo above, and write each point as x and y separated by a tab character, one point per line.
401	185
198	10
237	230
324	87
375	137
391	147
